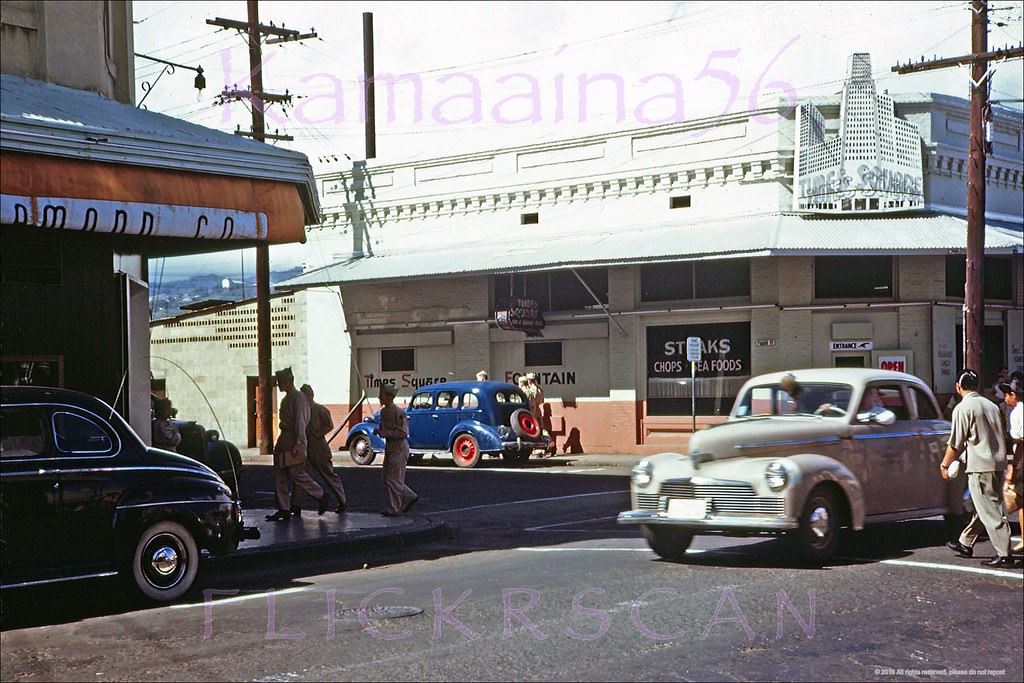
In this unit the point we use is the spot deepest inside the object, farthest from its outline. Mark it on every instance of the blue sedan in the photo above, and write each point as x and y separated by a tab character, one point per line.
467	419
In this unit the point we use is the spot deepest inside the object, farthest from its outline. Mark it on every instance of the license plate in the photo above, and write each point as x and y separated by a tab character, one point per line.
679	508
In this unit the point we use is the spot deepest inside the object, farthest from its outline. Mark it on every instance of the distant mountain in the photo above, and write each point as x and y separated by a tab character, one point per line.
169	295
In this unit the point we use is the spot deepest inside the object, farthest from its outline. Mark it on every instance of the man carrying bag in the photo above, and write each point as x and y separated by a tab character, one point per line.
290	450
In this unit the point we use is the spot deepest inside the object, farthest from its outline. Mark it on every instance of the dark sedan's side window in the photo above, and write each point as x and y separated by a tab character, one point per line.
21	432
79	434
420	401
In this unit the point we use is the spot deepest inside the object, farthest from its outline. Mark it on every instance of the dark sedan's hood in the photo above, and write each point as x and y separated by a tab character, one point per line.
765	435
157	457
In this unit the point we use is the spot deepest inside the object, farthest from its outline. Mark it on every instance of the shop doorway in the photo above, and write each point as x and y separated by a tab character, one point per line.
993	352
850	361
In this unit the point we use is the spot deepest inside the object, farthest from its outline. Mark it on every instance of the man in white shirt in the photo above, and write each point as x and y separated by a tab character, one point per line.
1015	472
977	427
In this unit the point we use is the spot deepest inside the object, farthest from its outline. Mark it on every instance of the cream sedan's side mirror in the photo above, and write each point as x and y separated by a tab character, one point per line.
881	417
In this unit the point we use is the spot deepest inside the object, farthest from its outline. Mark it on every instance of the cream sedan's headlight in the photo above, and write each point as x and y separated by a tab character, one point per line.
776	475
642	473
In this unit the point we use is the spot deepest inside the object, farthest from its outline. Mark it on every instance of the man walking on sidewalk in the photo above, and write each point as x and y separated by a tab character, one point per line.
318	460
290	450
977	425
394	428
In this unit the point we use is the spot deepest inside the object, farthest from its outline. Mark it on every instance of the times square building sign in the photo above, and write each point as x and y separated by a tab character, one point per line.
874	165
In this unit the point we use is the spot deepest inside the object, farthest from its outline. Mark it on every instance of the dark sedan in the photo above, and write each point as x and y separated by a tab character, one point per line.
82	496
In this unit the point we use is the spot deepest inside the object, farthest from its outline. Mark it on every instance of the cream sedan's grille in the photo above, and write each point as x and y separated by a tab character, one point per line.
725	498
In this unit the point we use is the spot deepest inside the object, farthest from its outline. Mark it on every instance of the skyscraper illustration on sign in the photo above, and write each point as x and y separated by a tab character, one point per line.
873	165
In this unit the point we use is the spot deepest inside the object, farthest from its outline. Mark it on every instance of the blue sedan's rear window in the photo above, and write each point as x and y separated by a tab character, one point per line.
508	397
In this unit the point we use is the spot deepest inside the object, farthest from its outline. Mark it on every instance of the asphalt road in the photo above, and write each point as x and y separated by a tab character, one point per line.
536	582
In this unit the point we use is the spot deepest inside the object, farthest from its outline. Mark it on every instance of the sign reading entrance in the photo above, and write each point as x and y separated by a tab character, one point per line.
850	346
520	315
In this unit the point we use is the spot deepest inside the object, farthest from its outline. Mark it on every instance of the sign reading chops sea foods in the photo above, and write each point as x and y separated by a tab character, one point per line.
520	315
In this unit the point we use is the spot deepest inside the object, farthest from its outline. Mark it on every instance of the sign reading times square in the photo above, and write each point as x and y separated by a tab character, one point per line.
872	165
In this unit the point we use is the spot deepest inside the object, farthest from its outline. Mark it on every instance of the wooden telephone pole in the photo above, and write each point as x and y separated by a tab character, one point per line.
974	289
258	101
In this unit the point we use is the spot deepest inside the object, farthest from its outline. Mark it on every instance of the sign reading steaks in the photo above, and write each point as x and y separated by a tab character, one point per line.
520	315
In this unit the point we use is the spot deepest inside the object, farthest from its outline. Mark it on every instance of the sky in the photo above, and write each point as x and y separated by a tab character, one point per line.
458	77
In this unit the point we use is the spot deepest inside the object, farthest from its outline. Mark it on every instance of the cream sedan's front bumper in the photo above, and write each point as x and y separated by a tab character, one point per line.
730	523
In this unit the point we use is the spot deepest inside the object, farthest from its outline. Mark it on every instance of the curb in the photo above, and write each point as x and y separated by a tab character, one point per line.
421	530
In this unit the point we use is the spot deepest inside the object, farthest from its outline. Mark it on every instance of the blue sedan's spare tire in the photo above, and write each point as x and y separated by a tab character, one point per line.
524	424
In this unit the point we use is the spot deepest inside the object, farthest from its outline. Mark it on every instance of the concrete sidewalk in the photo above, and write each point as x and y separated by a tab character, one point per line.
361	531
251	456
346	532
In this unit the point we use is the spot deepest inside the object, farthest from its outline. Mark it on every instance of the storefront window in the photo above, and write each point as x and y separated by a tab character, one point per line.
853	277
397	360
695	280
998	277
721	372
558	290
543	353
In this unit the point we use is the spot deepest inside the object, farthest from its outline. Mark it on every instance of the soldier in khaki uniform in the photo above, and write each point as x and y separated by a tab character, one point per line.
318	460
290	450
977	425
394	428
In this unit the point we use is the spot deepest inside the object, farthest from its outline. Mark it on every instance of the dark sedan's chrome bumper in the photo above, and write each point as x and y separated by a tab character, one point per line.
715	523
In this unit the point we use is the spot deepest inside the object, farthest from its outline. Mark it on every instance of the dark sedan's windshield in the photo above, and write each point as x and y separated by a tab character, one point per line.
827	400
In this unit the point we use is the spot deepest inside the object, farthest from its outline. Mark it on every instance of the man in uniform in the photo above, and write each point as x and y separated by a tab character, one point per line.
394	428
290	450
318	459
977	425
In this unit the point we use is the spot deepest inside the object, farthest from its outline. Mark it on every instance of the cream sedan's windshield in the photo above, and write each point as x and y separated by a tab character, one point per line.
826	400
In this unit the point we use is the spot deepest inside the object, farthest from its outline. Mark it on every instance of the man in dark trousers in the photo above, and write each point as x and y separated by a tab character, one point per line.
318	459
978	427
394	428
290	450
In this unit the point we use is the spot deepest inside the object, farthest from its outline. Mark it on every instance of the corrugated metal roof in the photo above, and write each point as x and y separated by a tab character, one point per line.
766	234
43	118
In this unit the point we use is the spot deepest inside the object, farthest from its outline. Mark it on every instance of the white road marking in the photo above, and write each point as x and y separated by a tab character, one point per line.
691	551
950	567
243	598
532	500
578	521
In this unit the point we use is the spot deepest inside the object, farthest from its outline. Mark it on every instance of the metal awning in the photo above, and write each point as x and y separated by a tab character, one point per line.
72	159
766	234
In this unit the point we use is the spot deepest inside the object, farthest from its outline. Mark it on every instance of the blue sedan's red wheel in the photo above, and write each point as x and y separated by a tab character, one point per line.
524	424
466	451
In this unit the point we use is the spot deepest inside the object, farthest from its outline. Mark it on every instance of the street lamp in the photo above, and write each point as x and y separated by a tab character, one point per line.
169	67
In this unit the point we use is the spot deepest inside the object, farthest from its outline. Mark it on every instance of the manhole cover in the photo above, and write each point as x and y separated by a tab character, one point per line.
380	612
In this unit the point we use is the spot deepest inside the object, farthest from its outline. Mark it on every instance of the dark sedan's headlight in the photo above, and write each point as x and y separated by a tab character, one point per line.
776	475
642	473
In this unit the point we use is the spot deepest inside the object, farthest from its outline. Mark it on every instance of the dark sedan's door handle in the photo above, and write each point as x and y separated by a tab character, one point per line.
56	485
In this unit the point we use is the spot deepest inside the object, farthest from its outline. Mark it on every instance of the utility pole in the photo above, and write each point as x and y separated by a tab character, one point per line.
258	101
974	288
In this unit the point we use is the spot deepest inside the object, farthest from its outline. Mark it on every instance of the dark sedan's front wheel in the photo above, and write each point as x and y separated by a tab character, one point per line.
667	541
165	561
360	450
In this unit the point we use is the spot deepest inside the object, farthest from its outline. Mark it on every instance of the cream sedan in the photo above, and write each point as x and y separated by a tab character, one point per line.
803	453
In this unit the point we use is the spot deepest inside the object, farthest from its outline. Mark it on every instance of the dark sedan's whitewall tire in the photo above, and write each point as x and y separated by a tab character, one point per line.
165	561
668	542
